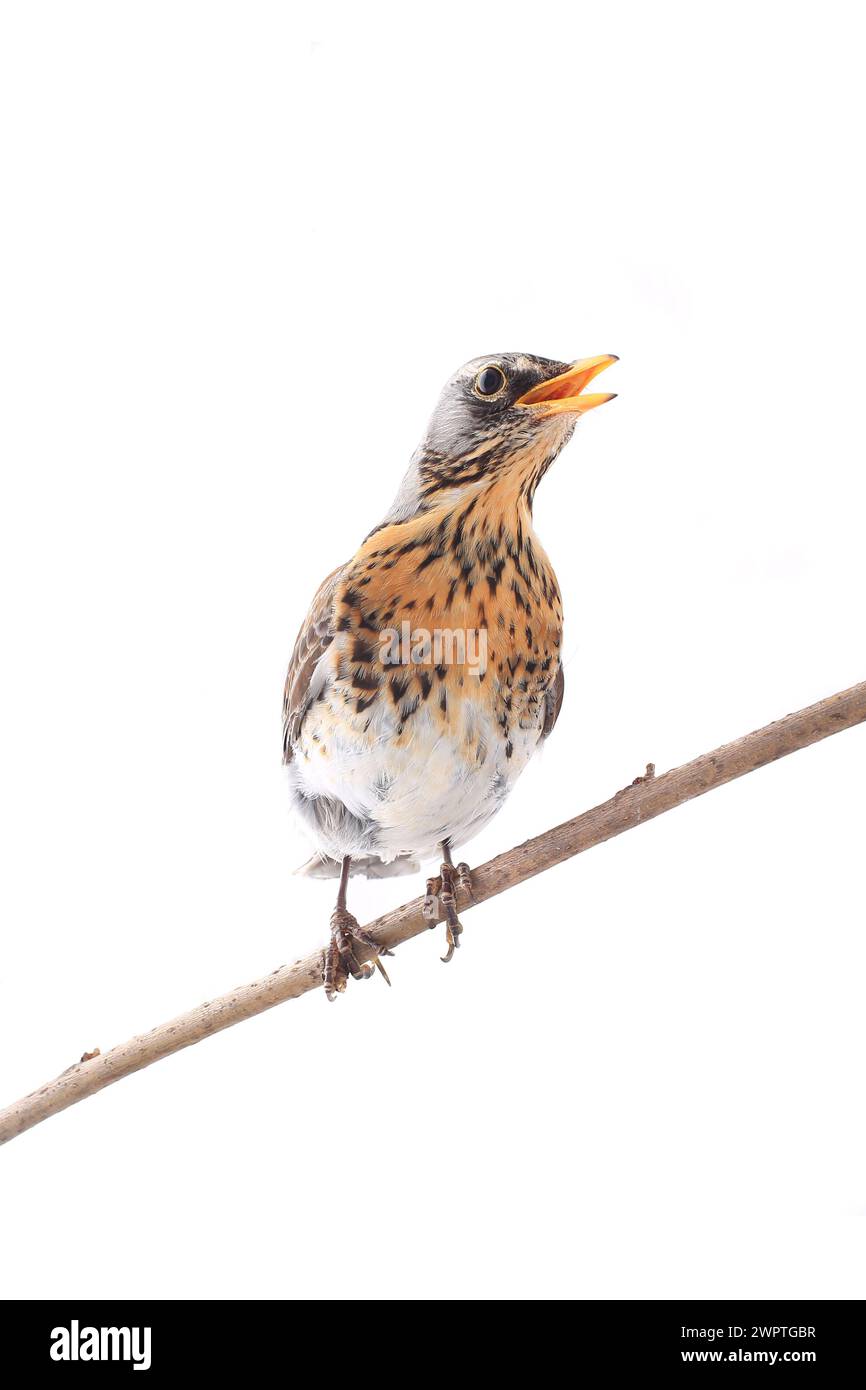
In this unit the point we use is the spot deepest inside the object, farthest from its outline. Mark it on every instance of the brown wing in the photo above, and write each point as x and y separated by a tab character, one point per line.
553	702
314	638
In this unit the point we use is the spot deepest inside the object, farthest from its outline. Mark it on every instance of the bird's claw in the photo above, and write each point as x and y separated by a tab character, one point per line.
441	901
453	932
340	959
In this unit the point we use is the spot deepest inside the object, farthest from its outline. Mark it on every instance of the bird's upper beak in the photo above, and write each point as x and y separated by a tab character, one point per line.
562	394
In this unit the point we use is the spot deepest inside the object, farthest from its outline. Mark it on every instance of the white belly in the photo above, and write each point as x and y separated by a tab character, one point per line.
438	781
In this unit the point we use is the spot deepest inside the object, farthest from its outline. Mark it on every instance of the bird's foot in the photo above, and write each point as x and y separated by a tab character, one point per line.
340	958
441	900
464	880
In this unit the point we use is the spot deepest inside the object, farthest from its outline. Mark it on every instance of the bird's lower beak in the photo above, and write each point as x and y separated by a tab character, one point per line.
562	394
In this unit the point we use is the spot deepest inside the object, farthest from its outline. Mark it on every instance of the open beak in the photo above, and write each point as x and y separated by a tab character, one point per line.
562	394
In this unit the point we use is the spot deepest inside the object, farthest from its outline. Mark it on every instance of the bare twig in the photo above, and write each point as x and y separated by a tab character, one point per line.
648	796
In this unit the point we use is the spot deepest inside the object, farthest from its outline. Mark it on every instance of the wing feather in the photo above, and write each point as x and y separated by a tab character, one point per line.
313	640
553	701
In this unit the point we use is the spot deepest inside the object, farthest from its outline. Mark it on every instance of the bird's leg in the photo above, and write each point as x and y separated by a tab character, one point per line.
441	897
447	902
340	958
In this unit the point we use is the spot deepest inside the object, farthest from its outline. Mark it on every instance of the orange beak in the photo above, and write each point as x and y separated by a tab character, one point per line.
562	394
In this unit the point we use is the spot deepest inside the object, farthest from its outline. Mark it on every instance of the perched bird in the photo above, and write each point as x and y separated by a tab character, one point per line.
427	671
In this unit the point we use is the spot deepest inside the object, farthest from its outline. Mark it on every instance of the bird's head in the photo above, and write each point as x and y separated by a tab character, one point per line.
501	417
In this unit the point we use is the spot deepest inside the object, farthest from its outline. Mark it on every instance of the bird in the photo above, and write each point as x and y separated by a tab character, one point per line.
428	669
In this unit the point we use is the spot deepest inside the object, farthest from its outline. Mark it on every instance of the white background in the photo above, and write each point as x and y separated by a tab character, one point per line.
242	249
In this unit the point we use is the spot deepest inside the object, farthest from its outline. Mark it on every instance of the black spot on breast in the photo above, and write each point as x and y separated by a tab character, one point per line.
362	652
495	575
435	553
518	595
426	682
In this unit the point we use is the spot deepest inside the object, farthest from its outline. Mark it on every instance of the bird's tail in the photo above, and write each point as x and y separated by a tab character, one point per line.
323	866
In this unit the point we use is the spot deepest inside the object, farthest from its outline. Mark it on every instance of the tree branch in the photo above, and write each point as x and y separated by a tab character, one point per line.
645	798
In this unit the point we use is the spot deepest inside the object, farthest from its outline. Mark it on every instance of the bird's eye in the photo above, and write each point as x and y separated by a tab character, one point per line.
490	381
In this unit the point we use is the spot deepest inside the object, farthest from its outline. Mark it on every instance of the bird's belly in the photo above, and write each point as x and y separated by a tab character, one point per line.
406	792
